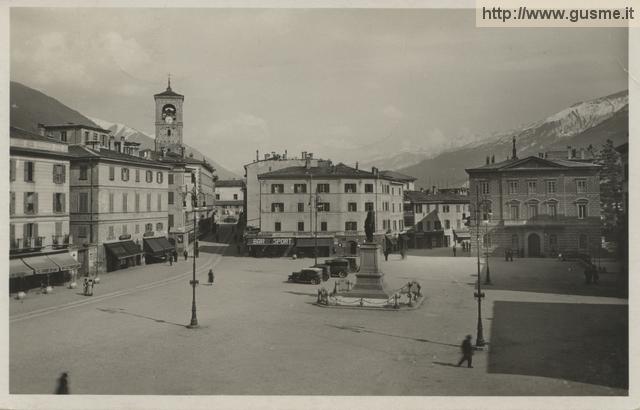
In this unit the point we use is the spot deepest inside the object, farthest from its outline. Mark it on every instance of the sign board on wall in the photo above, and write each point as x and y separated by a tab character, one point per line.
269	241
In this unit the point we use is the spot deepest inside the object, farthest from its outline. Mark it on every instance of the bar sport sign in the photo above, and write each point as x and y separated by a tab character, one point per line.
269	241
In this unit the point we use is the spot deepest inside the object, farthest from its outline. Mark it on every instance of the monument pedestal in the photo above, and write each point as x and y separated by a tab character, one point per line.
369	280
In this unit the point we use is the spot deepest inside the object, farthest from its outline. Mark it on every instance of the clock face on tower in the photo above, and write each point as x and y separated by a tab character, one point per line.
169	113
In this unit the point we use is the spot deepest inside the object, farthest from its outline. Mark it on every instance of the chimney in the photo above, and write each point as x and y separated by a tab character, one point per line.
487	160
356	164
121	144
540	154
493	159
41	129
514	154
164	152
568	151
285	154
310	155
433	188
307	163
257	156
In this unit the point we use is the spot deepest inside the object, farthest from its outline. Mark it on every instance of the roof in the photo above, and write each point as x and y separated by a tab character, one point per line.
422	197
169	93
540	165
329	171
15	132
79	151
398	176
623	148
175	158
226	183
74	125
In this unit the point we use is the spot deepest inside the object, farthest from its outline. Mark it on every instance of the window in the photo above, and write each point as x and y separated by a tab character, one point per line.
582	211
368	206
170	198
63	136
111	234
428	225
368	188
137	228
513	187
148	202
148	227
124	202
86	137
170	179
447	224
300	206
235	196
277	207
83	173
300	226
349	188
419	227
323	226
458	224
112	173
551	187
12	170
124	174
59	173
552	209
137	200
583	241
159	202
277	226
395	225
30	203
277	188
29	170
352	207
300	188
437	225
417	208
581	186
218	196
95	136
484	187
515	211
393	207
12	203
149	176
111	196
83	202
531	187
137	175
350	226
445	208
458	208
532	210
103	137
58	202
170	222
159	177
322	188
159	227
324	207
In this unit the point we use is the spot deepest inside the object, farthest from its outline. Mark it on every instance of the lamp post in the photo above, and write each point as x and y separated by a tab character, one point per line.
487	280
194	282
478	294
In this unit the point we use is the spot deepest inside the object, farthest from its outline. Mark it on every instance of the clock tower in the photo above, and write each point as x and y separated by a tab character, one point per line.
169	120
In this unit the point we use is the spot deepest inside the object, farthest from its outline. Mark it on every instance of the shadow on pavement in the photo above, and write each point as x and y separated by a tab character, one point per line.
360	329
123	312
445	364
300	293
585	343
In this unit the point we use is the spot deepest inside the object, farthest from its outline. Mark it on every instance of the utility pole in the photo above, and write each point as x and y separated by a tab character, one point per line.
479	337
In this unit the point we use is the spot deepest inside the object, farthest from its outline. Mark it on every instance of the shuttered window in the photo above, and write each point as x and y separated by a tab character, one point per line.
12	203
59	174
29	169
59	202
30	203
12	170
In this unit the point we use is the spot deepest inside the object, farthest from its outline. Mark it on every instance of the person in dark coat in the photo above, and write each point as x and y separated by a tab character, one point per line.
386	253
454	250
63	384
467	351
186	254
588	275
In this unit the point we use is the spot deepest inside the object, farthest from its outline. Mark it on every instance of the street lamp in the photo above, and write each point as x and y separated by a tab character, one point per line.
487	280
194	282
478	294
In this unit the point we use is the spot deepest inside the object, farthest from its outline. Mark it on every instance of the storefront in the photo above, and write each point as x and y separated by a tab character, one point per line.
46	269
121	255
305	247
19	275
157	249
269	246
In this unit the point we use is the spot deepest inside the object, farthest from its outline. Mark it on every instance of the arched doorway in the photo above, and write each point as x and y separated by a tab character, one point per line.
353	247
534	245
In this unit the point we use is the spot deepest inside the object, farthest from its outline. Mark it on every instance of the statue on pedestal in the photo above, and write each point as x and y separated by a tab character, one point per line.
370	226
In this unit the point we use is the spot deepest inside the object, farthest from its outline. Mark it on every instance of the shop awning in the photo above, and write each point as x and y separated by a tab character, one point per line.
168	247
462	235
124	249
41	264
311	242
154	246
64	261
17	268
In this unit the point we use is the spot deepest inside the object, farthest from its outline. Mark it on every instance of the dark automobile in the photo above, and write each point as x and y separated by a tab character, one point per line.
307	275
353	263
326	271
338	267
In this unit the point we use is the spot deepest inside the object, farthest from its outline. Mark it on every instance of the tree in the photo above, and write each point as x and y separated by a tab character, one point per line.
610	190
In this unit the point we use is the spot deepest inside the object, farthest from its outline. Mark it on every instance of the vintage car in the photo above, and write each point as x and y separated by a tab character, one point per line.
353	263
326	271
339	267
307	275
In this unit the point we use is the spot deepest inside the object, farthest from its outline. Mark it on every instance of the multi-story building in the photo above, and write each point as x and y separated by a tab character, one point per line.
435	219
229	199
408	182
270	162
38	211
535	206
324	206
118	207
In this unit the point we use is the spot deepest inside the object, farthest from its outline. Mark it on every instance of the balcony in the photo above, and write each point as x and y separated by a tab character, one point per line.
26	244
60	241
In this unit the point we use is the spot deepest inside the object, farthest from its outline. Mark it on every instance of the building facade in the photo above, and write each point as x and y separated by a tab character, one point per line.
324	206
229	196
436	220
39	241
535	206
118	205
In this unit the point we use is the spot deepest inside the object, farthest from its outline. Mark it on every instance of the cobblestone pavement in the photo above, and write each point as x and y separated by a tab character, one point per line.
263	336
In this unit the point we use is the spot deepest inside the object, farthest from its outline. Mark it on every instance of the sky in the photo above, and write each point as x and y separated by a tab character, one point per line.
347	84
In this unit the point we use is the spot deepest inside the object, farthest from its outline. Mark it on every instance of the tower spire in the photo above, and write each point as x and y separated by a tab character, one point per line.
514	155
169	82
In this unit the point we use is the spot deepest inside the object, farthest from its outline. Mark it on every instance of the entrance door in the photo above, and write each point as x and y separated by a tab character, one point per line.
534	245
353	247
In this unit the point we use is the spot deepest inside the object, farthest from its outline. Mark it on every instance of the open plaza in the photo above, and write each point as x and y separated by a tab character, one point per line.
548	332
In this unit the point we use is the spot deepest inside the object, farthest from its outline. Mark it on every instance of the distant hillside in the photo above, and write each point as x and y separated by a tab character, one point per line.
583	124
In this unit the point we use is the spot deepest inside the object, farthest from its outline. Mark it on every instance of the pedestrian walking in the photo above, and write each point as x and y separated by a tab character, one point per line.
186	254
454	250
386	254
467	351
170	259
63	384
211	277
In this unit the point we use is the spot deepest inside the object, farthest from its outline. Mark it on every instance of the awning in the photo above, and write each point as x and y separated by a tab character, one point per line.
124	249
153	246
168	247
41	264
64	261
462	235
17	268
311	242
